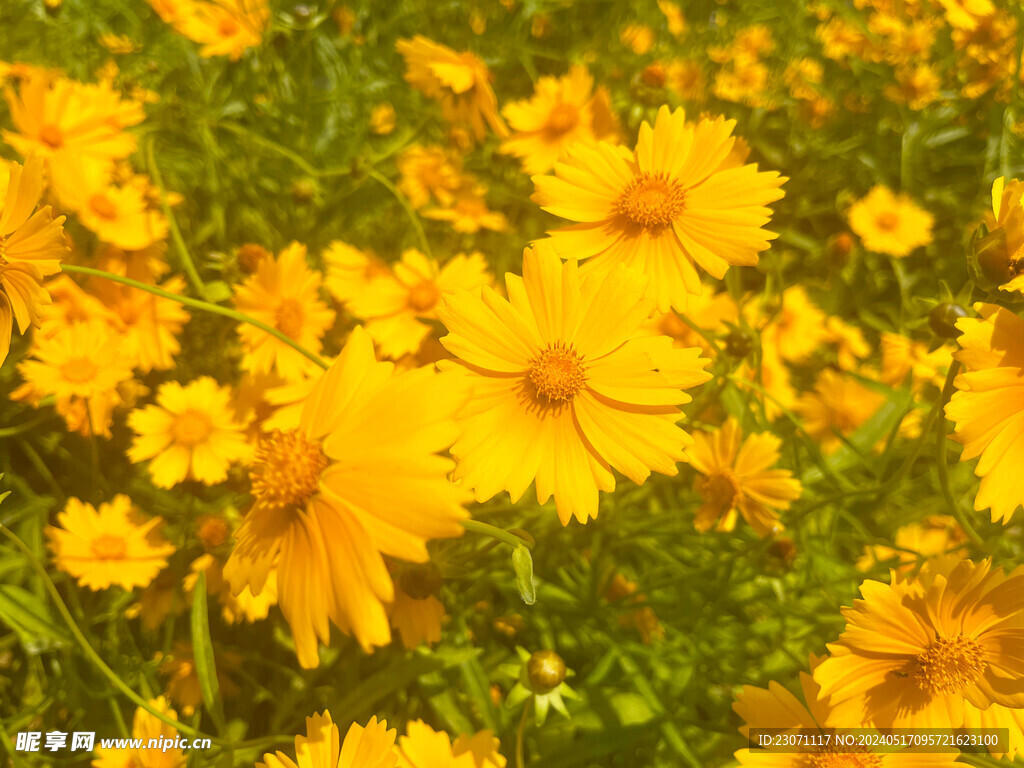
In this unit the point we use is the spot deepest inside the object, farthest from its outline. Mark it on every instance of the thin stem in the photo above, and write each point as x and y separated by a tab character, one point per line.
206	306
179	242
90	652
521	734
385	182
25	426
700	332
495	533
943	442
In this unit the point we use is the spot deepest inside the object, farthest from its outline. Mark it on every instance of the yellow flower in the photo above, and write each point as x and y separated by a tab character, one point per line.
234	609
902	355
112	545
709	311
382	119
224	27
357	480
397	310
737	480
119	214
349	271
429	172
772	376
565	385
1000	252
674	17
416	613
322	746
964	14
917	86
935	535
851	347
916	651
190	434
31	246
51	114
560	113
423	747
988	406
685	78
118	44
469	213
837	406
82	365
775	707
663	208
796	329
285	294
145	727
460	82
890	224
802	76
639	38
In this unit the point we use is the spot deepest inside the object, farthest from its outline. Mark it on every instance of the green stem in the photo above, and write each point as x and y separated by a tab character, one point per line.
385	182
25	426
495	533
943	443
172	224
281	150
521	734
206	306
700	332
90	652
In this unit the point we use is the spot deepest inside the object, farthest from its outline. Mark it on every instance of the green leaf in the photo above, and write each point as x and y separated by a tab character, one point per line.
28	616
217	291
522	562
202	652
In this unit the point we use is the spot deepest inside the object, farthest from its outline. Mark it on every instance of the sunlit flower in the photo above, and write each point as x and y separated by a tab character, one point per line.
382	119
639	38
736	480
189	434
223	27
31	246
108	546
234	609
916	651
357	480
460	82
469	213
285	294
674	17
916	86
685	77
423	747
53	114
902	355
118	44
796	329
965	14
851	346
565	387
1000	252
913	542
146	727
417	613
988	406
323	747
663	209
429	172
397	311
890	224
836	407
709	311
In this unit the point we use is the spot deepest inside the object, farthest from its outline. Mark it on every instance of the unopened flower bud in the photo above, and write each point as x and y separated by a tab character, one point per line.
546	670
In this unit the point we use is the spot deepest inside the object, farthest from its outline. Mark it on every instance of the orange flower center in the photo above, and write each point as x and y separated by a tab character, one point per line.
424	297
949	665
843	760
228	27
191	428
652	200
51	136
289	317
79	370
100	205
107	547
562	119
721	490
887	221
557	373
286	470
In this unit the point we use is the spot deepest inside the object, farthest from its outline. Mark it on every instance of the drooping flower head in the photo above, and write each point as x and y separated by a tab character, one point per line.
1000	253
663	209
358	479
566	386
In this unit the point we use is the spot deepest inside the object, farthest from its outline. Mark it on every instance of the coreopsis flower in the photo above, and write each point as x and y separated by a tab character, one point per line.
118	214
902	355
933	536
285	294
560	112
664	209
674	16
372	746
417	613
836	407
637	37
223	27
54	114
916	86
988	406
190	433
234	609
850	345
382	119
796	329
771	382
737	480
429	172
802	78
777	708
397	311
566	386
916	651
110	545
423	747
118	45
357	480
1000	252
889	223
348	270
686	79
459	82
31	246
146	727
81	365
70	304
469	213
965	14
709	311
